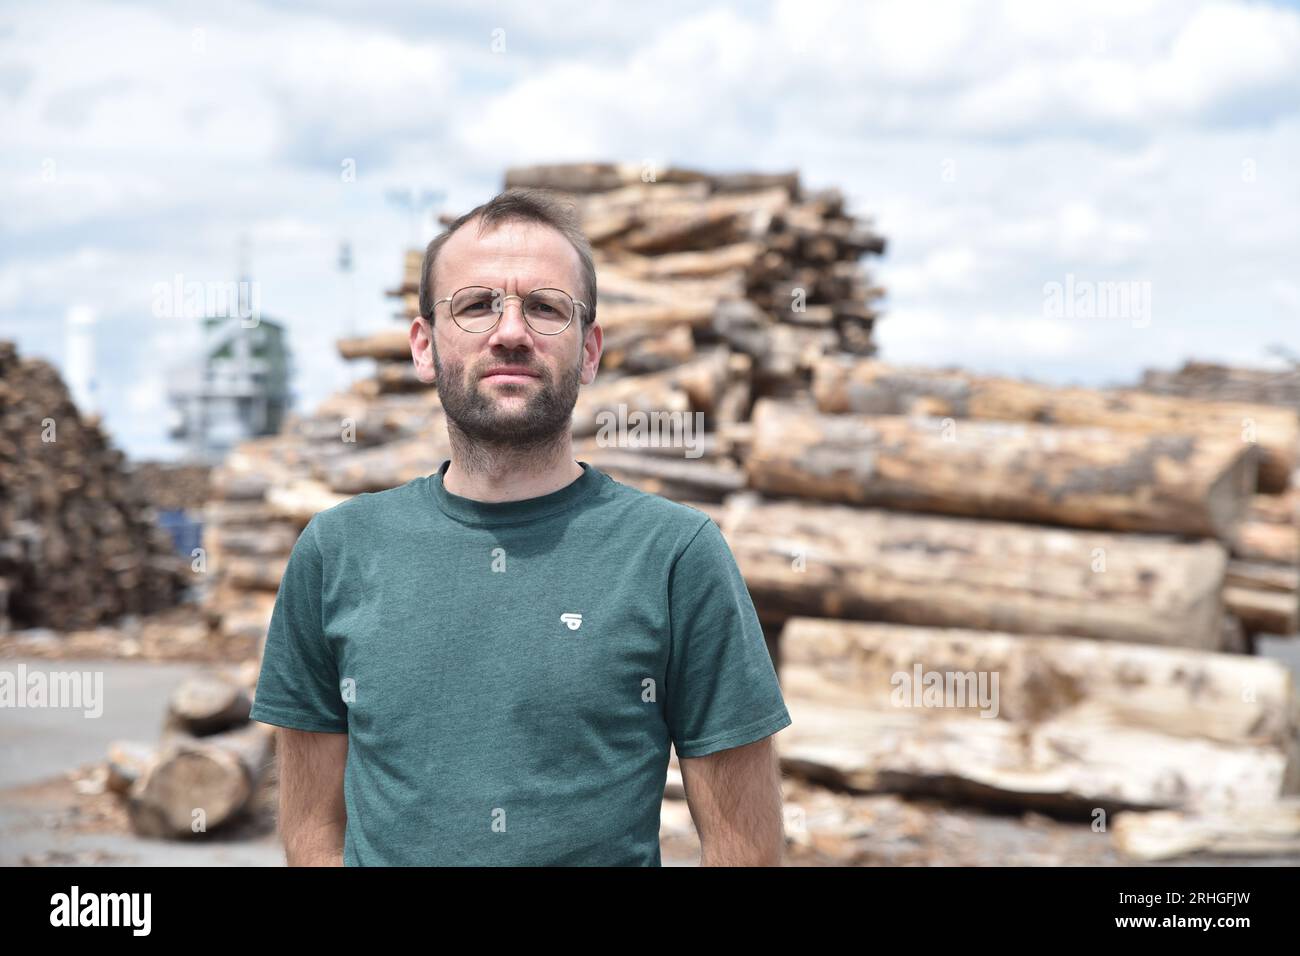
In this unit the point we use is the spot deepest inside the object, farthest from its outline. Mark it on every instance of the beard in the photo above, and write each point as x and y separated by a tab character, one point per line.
546	416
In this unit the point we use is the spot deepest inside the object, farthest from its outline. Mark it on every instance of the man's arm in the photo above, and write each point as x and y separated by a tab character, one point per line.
735	800
312	811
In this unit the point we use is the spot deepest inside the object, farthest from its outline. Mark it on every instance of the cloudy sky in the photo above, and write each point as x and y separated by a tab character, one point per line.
1001	147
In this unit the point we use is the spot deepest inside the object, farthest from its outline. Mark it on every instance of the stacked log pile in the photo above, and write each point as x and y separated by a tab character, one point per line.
714	289
1265	574
1210	380
1036	721
78	543
1109	554
172	487
1121	458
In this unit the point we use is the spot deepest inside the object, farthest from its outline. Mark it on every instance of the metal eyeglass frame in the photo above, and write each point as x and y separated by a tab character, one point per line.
448	298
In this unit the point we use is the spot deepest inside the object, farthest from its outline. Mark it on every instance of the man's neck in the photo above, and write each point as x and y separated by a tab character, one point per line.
493	475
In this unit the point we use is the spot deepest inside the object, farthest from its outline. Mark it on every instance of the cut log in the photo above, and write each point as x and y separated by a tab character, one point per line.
1262	576
675	478
709	262
246	618
208	704
601	403
196	786
237	514
299	501
395	378
127	761
865	564
571	177
616	287
1262	612
647	348
616	315
1264	597
1084	477
259	574
1066	764
271	539
1210	380
387	466
389	345
1270	530
871	387
1228	698
1240	832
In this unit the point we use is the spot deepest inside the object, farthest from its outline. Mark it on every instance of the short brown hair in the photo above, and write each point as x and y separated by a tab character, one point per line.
522	205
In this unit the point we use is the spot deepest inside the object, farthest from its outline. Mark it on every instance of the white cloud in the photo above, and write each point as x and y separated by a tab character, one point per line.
1000	144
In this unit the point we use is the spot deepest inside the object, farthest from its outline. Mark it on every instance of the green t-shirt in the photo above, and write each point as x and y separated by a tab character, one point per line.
510	675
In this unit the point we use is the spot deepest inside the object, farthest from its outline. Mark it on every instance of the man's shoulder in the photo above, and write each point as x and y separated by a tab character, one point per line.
656	510
371	507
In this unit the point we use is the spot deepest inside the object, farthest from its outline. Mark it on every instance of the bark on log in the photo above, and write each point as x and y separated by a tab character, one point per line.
1065	764
675	478
1168	690
300	500
208	704
1240	832
1262	612
389	345
871	387
600	406
387	466
272	539
647	348
202	782
1216	382
1083	477
1270	530
127	761
842	562
258	574
740	256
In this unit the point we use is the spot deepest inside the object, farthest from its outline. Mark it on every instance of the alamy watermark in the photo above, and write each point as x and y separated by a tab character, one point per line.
954	689
181	299
54	690
638	429
1085	299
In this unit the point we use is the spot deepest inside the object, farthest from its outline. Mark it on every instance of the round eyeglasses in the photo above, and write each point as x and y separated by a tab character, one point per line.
477	309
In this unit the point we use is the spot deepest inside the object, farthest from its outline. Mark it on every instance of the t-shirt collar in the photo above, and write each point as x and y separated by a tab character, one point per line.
470	511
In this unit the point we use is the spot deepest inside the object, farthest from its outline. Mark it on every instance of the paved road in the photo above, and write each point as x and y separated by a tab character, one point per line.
41	744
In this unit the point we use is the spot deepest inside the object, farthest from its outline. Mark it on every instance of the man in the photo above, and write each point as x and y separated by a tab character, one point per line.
487	665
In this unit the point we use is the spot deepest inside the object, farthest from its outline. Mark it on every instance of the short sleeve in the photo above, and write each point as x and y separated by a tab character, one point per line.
722	690
298	686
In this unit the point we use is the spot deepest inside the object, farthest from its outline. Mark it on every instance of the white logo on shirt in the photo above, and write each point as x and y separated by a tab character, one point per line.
572	619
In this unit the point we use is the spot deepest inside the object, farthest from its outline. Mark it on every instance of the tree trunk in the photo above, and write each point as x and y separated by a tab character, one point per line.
842	562
1269	830
1089	478
196	785
871	387
1184	693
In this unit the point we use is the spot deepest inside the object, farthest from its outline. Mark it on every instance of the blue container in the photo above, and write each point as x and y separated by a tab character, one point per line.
186	530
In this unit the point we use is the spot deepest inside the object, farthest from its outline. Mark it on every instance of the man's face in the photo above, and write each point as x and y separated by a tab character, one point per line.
494	409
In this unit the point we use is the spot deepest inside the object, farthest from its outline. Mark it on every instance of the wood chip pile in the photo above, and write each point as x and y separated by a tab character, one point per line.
78	543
